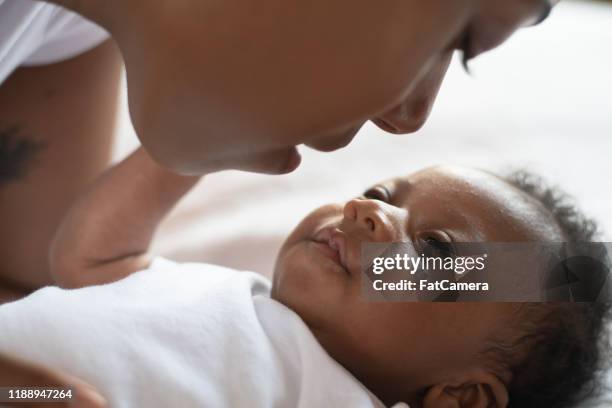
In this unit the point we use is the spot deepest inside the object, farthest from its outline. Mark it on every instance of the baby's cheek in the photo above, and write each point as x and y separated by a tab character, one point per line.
315	221
294	282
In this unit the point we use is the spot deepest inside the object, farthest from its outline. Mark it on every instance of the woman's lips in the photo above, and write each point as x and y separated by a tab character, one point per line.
384	125
335	141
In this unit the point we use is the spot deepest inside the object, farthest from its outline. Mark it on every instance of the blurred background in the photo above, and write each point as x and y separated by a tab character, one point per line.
542	101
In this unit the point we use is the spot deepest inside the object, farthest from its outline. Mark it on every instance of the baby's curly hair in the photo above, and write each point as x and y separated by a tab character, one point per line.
563	347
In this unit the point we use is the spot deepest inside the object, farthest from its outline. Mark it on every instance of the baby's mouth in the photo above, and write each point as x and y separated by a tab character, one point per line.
335	239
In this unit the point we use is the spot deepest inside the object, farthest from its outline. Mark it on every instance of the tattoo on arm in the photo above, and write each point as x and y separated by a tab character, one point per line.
17	153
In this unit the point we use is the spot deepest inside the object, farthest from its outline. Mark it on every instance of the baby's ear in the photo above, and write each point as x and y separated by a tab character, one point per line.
477	390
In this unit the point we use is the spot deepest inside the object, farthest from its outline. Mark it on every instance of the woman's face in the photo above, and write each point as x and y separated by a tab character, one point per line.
240	83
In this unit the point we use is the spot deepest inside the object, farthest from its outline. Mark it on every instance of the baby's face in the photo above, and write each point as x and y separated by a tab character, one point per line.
318	272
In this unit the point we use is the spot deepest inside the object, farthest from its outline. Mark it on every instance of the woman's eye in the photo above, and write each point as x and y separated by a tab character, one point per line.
465	47
464	44
378	193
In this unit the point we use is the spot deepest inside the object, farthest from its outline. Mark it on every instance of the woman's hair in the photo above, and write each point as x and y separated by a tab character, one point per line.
558	357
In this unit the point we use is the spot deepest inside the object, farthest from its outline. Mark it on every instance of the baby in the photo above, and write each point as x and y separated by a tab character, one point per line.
424	354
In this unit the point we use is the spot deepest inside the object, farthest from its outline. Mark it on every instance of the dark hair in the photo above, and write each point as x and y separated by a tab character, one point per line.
562	347
575	225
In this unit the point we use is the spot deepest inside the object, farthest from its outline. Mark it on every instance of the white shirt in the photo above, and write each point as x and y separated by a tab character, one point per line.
188	335
36	33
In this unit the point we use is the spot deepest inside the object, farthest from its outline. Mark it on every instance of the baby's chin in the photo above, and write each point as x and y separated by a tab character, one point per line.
282	285
301	283
277	275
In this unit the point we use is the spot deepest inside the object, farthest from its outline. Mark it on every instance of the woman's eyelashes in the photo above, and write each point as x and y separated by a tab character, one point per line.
465	47
380	193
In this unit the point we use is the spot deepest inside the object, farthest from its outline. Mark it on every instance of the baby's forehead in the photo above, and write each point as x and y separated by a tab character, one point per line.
482	193
456	179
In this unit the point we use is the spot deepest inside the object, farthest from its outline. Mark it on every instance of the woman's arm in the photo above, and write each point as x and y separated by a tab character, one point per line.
57	124
107	233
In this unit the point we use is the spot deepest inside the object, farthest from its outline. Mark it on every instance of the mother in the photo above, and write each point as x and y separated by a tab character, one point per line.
212	85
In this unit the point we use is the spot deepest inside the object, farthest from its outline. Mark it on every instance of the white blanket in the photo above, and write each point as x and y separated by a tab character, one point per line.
181	335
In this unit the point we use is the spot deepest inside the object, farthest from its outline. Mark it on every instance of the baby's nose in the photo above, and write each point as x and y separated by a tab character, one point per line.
372	218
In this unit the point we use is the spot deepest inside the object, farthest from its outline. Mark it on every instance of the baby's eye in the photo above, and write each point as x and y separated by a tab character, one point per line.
435	244
380	193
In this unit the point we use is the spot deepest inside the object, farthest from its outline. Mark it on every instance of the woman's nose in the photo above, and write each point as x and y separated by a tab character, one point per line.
370	218
412	113
407	117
